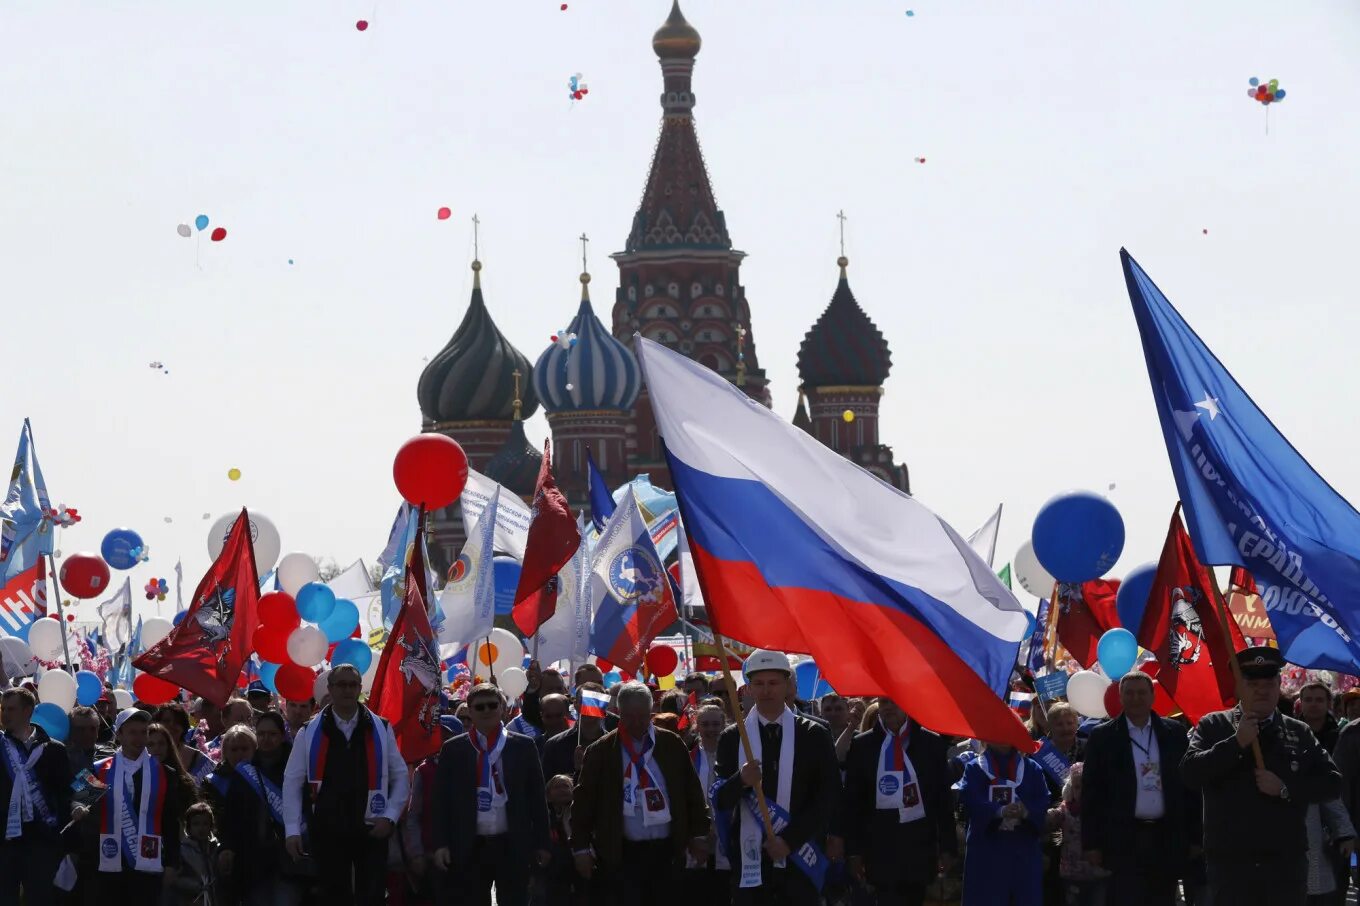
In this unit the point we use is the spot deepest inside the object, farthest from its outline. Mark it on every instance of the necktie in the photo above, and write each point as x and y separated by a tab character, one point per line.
769	760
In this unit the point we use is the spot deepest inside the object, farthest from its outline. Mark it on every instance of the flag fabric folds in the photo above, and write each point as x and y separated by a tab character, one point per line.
23	599
801	550
1085	613
984	539
1250	498
636	601
468	601
601	502
566	636
1183	627
26	533
512	516
115	614
553	539
206	651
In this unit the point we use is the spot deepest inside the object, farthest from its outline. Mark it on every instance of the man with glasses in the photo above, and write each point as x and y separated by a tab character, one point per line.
564	751
348	758
490	814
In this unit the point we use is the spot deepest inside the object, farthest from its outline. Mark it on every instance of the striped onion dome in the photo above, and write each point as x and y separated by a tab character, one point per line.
473	377
600	371
844	347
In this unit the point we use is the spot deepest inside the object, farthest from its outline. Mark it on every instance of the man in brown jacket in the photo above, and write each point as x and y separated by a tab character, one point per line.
638	807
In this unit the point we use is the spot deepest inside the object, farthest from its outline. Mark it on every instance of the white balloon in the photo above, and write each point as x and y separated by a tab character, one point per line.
1086	692
507	652
263	535
1031	575
513	682
44	638
153	630
319	688
59	688
16	658
296	570
122	698
369	674
307	646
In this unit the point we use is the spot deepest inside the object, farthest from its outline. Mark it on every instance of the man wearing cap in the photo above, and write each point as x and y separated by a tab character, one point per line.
1255	833
794	765
347	759
35	791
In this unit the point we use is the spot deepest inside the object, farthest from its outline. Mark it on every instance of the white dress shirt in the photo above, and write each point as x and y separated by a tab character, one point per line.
633	826
295	774
1147	762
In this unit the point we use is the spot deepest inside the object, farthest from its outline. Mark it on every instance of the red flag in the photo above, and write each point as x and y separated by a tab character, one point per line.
406	685
1181	627
553	540
1243	581
206	651
1085	612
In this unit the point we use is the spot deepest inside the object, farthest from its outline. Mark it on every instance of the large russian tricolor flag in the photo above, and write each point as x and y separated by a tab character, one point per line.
797	548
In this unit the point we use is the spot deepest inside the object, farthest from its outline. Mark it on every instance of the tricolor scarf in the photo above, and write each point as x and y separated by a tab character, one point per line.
640	787
26	797
132	829
373	745
490	786
896	784
703	766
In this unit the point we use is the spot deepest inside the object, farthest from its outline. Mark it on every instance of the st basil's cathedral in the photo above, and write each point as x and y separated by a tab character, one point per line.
680	285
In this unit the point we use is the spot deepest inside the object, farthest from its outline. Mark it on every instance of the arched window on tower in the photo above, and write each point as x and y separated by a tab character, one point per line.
709	360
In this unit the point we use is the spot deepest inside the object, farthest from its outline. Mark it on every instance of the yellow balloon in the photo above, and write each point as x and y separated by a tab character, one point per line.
848	415
665	682
234	474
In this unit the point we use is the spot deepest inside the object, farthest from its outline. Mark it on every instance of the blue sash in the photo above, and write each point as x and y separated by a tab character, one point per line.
809	857
270	794
1054	763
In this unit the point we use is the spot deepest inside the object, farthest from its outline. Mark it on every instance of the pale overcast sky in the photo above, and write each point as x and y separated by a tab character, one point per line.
1053	134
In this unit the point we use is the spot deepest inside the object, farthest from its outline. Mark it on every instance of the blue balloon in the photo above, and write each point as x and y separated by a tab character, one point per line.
1116	651
1078	536
201	221
342	621
178	618
315	602
1279	94
353	651
1132	597
806	673
612	678
52	719
505	579
88	688
268	671
117	548
1253	81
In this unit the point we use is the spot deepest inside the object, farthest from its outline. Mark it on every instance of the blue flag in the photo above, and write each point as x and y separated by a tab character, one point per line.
601	501
1250	498
25	527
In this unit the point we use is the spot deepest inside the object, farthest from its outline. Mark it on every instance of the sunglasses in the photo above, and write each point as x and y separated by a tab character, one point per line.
485	706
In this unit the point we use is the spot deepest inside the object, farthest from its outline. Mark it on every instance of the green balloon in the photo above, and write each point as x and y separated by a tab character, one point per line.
1274	83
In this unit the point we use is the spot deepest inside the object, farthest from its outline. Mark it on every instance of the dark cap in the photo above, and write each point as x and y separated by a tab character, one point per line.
1260	662
257	687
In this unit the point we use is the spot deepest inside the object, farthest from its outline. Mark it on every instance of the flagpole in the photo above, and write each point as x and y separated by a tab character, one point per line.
741	729
491	668
1051	630
61	615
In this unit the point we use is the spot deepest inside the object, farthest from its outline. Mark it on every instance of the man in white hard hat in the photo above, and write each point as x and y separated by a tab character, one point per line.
794	764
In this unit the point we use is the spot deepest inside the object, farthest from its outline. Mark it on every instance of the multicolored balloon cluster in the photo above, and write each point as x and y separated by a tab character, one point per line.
201	223
578	89
141	553
156	589
1266	93
158	366
63	516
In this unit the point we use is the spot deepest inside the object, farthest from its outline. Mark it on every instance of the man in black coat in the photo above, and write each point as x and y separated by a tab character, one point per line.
1137	818
795	766
564	752
1255	831
490	813
895	816
35	795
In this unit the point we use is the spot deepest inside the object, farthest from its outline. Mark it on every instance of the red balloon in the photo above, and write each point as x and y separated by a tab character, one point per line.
430	469
294	683
362	25
271	643
662	659
153	690
218	235
445	213
85	575
1113	706
279	609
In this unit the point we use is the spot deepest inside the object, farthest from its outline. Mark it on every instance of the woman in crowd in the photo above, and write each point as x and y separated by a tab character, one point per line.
160	742
196	764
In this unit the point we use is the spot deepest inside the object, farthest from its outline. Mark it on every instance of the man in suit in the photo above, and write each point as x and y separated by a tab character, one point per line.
490	814
638	808
895	815
35	788
1137	818
794	765
564	751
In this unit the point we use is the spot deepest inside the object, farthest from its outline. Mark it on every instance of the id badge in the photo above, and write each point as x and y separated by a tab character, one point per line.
1002	794
655	801
911	796
1151	776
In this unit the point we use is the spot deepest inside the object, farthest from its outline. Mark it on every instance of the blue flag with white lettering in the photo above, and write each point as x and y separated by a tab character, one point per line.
601	501
1250	498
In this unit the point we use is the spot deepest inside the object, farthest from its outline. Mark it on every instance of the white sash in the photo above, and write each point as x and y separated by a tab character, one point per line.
751	829
493	793
143	848
898	789
655	804
25	797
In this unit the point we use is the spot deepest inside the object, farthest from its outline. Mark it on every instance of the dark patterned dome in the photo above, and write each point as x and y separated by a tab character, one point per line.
600	371
516	464
676	37
472	378
844	347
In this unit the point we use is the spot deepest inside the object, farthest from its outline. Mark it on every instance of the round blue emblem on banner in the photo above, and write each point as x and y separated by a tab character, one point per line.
109	848
377	803
483	800
634	574
888	785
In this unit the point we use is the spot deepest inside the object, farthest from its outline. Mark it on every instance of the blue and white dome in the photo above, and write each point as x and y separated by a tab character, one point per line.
595	372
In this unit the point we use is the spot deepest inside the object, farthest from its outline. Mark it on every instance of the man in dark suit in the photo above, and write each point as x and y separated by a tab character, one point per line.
564	751
638	808
795	767
895	816
490	814
35	789
1137	818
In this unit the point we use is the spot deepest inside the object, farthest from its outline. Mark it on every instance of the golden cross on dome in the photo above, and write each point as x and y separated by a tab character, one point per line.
585	242
516	375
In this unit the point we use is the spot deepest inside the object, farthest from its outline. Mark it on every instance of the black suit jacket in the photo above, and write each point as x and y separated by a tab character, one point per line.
1109	793
894	851
816	786
455	800
53	774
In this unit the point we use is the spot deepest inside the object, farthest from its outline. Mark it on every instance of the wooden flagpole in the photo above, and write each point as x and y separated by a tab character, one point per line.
741	729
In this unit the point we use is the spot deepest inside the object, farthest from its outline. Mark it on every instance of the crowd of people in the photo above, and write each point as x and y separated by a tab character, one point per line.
702	794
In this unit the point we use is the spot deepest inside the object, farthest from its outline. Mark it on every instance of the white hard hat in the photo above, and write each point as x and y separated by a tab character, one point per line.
763	659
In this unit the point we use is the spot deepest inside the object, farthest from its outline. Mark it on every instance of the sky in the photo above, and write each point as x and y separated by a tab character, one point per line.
1053	134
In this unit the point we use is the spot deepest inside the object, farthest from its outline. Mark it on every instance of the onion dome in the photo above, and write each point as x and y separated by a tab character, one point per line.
844	347
594	372
473	377
676	37
517	463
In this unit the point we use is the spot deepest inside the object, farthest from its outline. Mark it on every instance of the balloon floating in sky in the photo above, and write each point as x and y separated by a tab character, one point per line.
847	416
183	230
156	589
218	235
201	221
920	160
290	260
564	6
1266	93
564	338
577	88
911	13
63	516
362	25
444	214
234	475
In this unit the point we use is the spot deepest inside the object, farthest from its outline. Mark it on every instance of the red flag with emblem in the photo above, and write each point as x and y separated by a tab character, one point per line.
553	540
206	651
1085	612
1181	626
